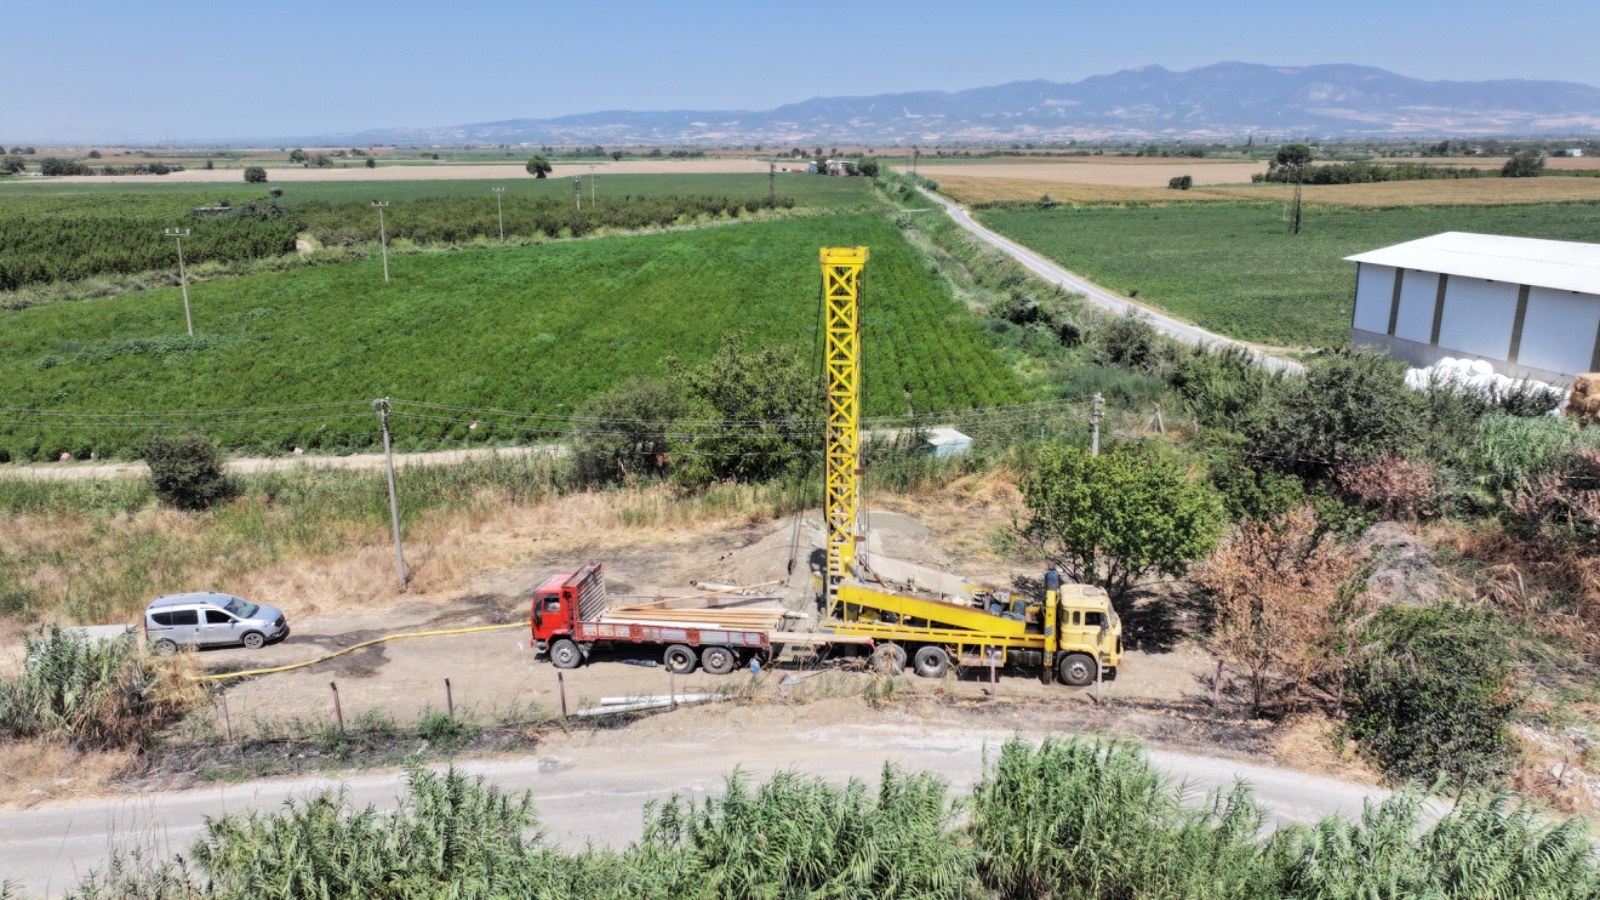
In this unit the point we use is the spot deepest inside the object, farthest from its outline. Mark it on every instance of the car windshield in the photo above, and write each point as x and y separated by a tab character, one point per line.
244	609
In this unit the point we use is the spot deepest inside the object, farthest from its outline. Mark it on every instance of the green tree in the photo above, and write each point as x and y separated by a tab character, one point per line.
868	166
11	165
749	413
1433	695
372	163
186	470
1351	403
539	166
297	155
624	431
1523	164
1294	158
1120	517
255	175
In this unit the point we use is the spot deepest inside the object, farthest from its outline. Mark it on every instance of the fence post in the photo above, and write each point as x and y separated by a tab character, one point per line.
449	699
561	685
227	721
338	710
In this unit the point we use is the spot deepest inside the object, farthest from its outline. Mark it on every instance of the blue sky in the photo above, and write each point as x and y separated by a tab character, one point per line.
97	72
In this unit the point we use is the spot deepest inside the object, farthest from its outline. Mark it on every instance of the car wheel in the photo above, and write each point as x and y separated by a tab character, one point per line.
565	654
717	660
165	647
932	662
1076	669
254	640
889	659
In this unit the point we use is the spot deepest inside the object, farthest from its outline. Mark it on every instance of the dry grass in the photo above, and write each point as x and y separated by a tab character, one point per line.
34	772
1306	742
1154	173
979	189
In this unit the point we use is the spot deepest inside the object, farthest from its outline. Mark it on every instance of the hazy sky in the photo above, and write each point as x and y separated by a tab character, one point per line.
99	72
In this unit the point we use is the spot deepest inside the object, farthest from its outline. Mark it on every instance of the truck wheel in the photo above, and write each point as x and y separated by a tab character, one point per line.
717	660
1076	669
932	662
254	640
565	654
889	659
679	659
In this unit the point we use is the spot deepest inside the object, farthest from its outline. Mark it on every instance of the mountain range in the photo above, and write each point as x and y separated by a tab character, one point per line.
1218	102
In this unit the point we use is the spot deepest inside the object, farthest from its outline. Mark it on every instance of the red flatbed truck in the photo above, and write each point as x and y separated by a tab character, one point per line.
570	615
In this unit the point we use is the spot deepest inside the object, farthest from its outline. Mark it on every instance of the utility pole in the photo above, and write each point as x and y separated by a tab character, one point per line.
591	187
382	408
772	185
183	277
577	190
500	211
383	237
1097	411
915	152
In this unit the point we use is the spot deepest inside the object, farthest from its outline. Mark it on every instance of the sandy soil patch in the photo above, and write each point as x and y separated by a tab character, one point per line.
439	172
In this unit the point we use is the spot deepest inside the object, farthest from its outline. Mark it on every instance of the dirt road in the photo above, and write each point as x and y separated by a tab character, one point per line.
591	785
1099	296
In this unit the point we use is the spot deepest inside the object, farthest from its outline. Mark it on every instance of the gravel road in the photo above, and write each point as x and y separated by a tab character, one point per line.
1099	296
591	785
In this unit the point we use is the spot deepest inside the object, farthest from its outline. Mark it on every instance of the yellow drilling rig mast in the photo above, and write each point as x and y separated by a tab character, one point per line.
912	614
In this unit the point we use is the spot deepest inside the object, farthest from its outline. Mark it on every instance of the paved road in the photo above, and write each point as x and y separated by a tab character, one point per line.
590	786
1099	296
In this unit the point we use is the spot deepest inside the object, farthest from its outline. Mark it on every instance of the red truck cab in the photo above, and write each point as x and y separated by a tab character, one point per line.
562	601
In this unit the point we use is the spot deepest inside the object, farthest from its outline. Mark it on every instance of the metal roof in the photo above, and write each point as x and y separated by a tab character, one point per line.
1562	265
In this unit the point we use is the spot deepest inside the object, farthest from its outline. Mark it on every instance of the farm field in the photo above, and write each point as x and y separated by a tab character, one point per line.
986	189
534	330
71	232
1235	269
411	169
1145	172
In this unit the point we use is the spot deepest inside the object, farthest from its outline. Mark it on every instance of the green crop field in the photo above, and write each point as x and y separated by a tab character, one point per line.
43	197
1234	268
525	329
73	232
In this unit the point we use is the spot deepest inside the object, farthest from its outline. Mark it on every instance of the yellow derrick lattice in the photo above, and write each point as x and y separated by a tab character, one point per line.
841	298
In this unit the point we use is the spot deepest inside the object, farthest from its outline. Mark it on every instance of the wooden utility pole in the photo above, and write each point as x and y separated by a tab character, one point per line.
577	190
382	407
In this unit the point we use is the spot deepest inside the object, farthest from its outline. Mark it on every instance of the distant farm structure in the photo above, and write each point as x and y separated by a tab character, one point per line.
1530	307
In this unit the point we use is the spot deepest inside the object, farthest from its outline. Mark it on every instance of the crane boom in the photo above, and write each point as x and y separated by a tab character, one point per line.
841	299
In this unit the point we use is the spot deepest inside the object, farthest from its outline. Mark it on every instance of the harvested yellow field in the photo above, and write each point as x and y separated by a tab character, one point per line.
1445	192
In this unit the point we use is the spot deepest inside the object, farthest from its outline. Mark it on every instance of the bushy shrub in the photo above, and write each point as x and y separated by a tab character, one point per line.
91	694
1395	487
255	175
186	470
626	431
1432	694
1128	341
1351	403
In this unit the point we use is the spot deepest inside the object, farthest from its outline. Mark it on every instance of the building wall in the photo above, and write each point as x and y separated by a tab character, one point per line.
1557	337
1559	331
1478	317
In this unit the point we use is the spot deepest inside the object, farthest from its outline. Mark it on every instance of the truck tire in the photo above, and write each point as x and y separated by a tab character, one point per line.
718	660
889	659
564	654
932	662
1076	669
679	659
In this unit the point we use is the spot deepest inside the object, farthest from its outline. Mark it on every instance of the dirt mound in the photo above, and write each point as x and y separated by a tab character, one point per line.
1404	570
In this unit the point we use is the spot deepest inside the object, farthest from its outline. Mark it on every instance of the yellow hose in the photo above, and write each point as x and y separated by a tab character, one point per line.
354	647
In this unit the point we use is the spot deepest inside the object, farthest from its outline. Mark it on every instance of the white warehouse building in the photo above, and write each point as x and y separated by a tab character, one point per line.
1530	307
